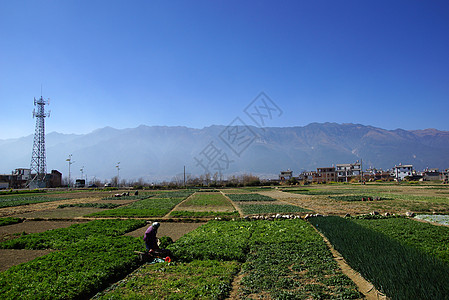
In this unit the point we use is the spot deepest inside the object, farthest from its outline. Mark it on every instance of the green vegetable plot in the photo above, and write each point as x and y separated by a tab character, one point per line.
151	207
270	208
63	237
304	266
196	280
397	269
8	201
9	221
249	197
94	255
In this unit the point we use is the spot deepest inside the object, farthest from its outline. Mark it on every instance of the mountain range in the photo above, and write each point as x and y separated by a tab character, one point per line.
160	152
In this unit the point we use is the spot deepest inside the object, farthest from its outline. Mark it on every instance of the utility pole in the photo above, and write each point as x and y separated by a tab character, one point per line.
362	179
185	177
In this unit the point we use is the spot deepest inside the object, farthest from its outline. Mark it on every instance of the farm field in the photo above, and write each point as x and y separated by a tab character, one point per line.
231	259
333	199
306	270
205	204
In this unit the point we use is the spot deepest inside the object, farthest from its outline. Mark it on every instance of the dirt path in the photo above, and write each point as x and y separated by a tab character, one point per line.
237	208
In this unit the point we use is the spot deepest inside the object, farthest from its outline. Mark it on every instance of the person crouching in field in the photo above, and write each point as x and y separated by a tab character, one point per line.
150	237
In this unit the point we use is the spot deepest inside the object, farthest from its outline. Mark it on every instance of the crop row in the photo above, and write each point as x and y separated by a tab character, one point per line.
270	208
9	221
15	192
93	255
249	197
314	192
96	205
304	266
351	198
202	214
395	268
130	197
431	239
8	201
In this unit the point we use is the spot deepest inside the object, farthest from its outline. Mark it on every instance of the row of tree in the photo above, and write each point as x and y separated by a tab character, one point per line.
179	181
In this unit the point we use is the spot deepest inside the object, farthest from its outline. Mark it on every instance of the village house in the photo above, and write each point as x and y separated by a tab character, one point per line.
285	175
19	178
431	174
401	171
444	176
325	175
345	172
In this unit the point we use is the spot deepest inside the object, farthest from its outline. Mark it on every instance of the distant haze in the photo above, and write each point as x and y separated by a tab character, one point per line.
160	153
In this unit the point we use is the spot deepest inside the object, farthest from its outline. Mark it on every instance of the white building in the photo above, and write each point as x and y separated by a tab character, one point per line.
346	171
401	171
445	176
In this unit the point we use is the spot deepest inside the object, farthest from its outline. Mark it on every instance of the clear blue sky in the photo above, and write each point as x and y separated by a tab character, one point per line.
198	63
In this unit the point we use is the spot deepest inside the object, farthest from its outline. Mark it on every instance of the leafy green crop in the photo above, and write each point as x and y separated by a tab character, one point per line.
400	271
249	197
151	207
9	221
77	272
196	280
214	240
63	237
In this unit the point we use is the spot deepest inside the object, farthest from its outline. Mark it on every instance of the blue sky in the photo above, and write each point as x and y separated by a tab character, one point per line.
198	63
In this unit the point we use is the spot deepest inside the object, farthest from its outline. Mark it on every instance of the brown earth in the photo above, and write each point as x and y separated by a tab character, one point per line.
12	257
12	231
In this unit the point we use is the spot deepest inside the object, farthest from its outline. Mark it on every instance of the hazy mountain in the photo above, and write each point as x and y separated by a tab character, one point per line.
160	152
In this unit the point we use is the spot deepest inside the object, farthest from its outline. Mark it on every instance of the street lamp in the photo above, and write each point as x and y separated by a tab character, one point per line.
70	163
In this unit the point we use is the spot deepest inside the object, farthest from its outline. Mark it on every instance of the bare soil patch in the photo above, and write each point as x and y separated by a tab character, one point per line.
12	257
175	230
17	210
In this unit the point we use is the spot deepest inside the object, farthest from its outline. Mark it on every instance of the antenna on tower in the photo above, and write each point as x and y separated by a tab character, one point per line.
38	159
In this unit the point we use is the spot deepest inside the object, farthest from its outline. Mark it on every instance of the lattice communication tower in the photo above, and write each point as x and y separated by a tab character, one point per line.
38	159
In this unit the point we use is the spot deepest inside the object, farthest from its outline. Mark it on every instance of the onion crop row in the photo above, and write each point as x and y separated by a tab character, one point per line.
397	269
